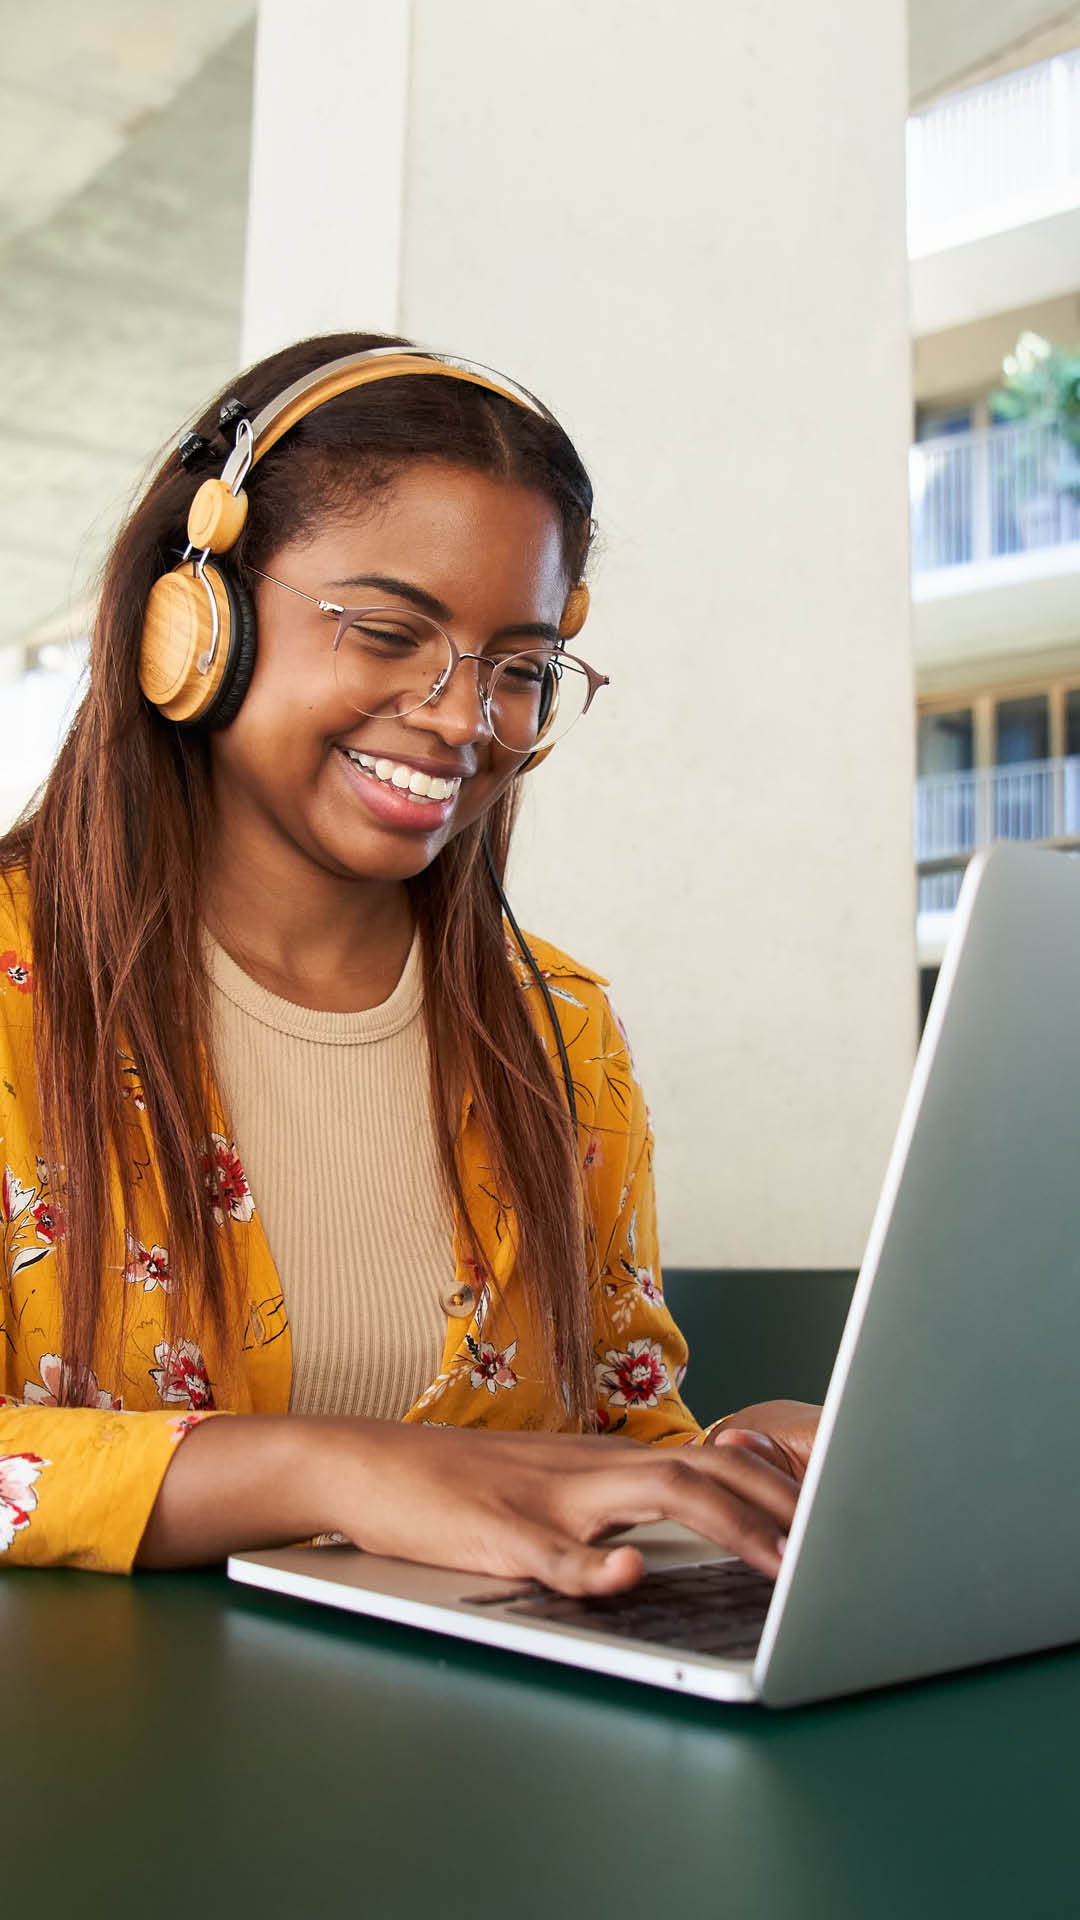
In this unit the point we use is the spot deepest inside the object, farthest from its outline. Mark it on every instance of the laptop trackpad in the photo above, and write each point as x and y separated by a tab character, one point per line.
665	1544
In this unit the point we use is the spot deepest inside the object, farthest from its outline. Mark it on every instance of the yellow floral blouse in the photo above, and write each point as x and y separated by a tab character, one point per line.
77	1484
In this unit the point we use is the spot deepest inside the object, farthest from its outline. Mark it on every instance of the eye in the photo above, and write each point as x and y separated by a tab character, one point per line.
526	670
381	637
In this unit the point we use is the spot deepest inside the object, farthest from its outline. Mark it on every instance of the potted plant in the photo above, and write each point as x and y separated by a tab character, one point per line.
1038	483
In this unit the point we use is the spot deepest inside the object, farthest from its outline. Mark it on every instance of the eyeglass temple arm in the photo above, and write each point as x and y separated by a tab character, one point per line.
326	606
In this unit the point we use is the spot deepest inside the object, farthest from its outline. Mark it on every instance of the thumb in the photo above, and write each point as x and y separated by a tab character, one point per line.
571	1567
755	1442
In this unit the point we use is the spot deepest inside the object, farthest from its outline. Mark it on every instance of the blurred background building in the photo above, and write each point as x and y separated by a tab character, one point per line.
686	229
994	236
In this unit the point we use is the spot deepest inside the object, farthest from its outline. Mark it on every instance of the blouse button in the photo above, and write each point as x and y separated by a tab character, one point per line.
459	1302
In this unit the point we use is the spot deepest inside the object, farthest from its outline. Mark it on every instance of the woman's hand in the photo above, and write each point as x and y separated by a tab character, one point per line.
517	1505
531	1506
779	1431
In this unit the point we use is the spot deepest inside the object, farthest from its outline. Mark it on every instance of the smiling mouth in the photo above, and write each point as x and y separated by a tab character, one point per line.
424	788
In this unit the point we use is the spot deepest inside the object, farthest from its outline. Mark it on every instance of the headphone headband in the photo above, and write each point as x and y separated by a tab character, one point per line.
355	370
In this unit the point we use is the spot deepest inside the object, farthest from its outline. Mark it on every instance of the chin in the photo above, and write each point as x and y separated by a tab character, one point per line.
387	859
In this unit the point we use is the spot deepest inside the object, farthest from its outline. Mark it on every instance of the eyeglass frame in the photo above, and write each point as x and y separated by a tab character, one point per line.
348	615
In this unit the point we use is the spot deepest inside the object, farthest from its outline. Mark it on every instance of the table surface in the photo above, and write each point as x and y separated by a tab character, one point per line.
173	1744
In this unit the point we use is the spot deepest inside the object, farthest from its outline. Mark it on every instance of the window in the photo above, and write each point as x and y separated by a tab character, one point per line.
1072	722
932	423
1022	730
947	742
994	763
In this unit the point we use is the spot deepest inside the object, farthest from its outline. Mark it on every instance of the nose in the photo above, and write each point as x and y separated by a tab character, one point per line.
457	713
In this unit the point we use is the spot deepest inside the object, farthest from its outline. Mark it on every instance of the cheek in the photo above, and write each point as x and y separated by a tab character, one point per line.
482	792
289	709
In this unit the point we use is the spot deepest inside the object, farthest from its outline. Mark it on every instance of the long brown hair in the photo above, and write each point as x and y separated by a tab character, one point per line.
116	844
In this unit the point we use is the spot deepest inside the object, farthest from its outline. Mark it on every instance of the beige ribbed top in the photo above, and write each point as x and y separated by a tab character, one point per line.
331	1115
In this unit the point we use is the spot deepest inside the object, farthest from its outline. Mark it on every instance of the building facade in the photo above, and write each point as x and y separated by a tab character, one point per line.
994	239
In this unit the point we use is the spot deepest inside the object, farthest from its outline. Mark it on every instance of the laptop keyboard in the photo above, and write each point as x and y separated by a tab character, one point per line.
718	1609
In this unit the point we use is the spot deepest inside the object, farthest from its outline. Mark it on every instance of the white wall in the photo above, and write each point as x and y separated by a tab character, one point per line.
327	152
685	229
36	710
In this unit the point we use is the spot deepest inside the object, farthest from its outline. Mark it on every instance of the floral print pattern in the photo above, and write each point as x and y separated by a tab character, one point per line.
183	1425
626	1284
54	1388
147	1267
16	971
48	1220
226	1182
25	1209
491	1368
635	1378
649	1287
181	1376
14	1197
19	1473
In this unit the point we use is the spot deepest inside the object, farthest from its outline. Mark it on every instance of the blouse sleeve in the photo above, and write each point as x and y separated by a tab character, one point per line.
641	1354
78	1485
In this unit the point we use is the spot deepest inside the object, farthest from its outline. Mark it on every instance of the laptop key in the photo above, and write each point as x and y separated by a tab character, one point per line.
713	1608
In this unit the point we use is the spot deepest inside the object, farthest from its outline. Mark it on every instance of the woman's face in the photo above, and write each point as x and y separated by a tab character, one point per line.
490	553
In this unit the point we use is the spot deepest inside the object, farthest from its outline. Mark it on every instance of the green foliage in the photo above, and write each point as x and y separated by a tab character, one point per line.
1042	385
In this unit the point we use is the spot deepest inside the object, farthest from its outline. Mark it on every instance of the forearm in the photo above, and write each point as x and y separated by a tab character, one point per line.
256	1480
517	1505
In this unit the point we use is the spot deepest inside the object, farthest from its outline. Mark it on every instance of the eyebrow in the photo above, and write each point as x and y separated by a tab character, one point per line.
438	609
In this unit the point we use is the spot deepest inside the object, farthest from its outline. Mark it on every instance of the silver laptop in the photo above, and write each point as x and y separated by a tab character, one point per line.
939	1526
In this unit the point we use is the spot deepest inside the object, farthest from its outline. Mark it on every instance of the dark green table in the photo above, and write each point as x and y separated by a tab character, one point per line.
174	1745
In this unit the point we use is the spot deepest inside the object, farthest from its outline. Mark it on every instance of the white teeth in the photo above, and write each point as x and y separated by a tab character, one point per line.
418	786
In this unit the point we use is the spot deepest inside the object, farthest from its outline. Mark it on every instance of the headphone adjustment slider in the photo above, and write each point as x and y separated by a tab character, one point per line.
193	451
229	417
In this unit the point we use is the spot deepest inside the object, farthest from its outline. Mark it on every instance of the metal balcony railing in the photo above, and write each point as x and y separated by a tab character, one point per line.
955	813
995	156
994	491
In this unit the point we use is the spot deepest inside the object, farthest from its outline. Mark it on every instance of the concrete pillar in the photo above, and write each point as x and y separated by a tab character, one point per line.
685	229
327	160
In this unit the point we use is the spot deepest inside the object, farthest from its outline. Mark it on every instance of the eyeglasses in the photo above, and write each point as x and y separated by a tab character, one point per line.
389	660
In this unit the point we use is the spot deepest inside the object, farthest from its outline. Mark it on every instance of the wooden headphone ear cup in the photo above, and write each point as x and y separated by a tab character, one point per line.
240	663
177	632
177	629
575	611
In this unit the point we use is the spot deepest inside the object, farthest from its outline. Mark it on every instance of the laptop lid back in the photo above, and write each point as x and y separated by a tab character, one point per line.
940	1523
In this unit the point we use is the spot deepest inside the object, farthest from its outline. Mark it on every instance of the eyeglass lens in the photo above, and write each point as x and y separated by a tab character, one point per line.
390	661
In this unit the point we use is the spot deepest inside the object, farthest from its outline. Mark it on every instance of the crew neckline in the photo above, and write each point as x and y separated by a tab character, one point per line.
313	1023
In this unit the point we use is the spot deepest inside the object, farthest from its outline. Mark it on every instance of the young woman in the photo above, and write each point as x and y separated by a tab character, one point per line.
290	1127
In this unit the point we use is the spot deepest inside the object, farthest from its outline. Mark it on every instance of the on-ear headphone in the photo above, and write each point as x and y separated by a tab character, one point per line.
198	639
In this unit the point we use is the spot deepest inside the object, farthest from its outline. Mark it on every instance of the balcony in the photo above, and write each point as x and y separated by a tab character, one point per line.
994	156
982	495
993	185
995	541
955	813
